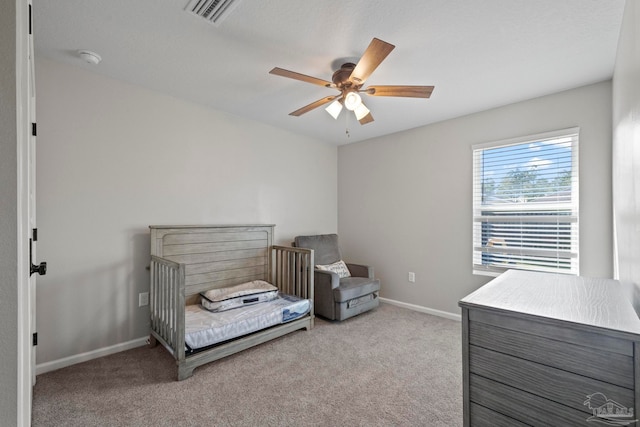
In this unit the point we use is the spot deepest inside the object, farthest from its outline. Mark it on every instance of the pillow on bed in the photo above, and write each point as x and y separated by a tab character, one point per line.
238	296
338	267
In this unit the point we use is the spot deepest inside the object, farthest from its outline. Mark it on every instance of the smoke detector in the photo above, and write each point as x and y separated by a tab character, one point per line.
90	57
214	11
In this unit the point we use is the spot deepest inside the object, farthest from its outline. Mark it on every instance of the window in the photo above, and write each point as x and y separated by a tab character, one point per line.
525	204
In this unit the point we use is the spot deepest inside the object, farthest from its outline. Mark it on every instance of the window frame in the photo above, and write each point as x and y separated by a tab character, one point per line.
479	267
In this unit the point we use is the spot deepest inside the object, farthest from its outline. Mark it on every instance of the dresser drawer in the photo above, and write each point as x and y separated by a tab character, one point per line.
600	364
516	404
485	417
565	388
548	328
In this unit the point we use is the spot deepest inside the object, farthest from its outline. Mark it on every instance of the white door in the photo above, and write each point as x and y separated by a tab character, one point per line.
28	272
37	267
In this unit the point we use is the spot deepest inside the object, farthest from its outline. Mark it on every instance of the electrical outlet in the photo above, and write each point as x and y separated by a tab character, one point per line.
143	299
412	277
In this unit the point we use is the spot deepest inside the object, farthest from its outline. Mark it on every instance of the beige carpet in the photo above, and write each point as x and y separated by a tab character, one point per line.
388	367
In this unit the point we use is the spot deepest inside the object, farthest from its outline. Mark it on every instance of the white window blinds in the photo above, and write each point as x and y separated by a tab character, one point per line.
525	204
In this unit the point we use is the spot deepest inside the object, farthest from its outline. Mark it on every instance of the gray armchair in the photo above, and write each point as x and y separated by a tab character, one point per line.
339	298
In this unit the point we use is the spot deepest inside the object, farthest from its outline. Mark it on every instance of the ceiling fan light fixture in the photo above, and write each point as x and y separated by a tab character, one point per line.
334	109
361	111
352	100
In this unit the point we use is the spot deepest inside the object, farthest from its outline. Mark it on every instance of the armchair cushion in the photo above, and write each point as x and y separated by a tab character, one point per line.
325	247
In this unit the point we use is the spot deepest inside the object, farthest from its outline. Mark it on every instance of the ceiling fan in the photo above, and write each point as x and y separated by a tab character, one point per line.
349	80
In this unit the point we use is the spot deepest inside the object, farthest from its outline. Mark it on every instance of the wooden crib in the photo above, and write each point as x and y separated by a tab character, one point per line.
189	259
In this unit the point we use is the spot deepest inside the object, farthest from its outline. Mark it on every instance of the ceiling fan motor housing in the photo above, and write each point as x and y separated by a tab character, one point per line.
341	77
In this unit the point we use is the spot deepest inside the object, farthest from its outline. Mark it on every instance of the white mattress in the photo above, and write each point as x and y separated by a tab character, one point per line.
204	328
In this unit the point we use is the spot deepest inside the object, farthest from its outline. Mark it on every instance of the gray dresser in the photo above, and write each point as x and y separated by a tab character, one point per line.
550	349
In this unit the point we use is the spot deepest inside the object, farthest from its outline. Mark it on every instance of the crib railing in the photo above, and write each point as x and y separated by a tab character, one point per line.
290	272
167	304
293	271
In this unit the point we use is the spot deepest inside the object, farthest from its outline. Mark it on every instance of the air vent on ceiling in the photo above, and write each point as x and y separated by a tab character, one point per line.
214	11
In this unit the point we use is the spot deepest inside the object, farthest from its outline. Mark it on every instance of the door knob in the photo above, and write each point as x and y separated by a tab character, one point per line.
41	268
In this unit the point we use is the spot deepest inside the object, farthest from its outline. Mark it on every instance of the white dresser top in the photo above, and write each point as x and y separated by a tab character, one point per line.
594	303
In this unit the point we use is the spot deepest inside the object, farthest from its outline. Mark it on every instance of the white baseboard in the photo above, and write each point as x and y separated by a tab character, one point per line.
427	310
90	355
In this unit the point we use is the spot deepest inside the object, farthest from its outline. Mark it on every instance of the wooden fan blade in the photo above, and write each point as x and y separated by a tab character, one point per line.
405	91
313	105
302	77
372	57
366	119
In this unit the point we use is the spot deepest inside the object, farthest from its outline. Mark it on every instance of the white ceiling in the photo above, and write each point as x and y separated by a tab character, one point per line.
477	54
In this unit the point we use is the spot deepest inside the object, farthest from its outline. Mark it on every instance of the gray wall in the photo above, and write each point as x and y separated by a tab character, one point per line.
405	200
8	217
626	147
114	158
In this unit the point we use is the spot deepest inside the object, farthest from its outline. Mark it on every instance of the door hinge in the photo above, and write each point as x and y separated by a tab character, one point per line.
34	129
35	338
34	234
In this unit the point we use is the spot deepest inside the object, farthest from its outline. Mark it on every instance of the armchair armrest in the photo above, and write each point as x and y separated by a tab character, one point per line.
324	283
359	270
326	279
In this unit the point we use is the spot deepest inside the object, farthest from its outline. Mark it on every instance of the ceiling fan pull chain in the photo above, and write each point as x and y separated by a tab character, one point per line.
346	125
